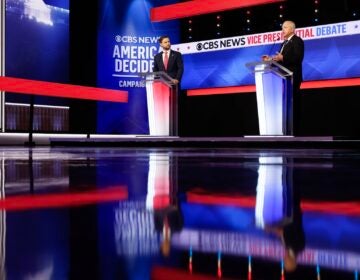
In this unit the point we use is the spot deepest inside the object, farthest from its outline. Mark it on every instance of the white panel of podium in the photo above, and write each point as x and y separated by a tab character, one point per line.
162	102
274	97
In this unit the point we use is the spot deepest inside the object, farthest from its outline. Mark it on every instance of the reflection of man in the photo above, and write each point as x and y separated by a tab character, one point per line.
162	197
292	234
278	206
168	220
169	61
291	55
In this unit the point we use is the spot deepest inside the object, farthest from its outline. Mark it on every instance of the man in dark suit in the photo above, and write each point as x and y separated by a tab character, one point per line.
291	55
290	229
169	61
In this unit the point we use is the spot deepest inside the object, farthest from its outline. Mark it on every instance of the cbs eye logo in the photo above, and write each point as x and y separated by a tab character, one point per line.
207	46
125	39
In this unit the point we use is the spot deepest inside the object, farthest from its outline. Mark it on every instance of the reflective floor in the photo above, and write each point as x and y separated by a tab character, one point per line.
114	213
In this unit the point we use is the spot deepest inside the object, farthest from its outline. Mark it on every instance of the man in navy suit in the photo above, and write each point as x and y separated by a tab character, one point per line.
291	55
173	59
171	62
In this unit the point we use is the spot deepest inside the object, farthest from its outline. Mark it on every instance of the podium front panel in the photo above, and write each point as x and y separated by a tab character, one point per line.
274	101
274	97
158	99
273	104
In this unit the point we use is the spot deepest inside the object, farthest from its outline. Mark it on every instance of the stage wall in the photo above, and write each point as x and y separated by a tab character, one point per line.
127	44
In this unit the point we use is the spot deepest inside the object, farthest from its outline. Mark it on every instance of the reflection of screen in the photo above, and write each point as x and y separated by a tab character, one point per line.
245	244
41	253
221	62
37	39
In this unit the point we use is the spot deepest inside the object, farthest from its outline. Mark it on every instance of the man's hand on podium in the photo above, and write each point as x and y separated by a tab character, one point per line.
278	57
266	57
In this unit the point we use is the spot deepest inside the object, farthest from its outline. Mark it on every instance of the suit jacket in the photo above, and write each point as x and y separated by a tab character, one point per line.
175	67
294	235
293	54
173	215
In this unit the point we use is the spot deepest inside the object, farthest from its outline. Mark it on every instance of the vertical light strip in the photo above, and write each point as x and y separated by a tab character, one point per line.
190	260
219	271
2	63
249	268
3	243
260	98
2	222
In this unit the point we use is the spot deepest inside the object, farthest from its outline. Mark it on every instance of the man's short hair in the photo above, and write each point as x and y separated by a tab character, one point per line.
162	38
291	23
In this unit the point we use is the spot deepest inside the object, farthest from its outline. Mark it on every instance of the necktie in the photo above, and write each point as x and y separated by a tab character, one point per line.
283	45
166	59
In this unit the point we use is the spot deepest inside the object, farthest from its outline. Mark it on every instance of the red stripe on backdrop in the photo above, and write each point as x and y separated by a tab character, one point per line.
331	83
351	208
201	7
251	88
25	202
25	86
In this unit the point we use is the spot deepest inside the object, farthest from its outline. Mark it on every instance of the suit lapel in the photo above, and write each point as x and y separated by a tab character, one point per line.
161	61
171	60
287	46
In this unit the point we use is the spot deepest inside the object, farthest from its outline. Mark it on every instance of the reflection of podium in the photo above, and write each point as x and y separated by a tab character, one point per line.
161	95
274	192
274	97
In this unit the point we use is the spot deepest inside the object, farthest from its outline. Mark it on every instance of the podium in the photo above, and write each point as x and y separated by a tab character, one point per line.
274	192
162	103
274	97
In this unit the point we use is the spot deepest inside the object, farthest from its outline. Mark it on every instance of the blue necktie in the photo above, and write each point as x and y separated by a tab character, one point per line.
283	45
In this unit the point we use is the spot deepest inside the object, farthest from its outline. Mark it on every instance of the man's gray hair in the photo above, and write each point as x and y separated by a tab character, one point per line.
291	23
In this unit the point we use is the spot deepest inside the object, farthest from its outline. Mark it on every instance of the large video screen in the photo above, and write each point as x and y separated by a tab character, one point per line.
127	44
330	53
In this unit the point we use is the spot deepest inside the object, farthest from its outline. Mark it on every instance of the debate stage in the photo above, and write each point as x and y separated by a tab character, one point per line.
251	141
209	142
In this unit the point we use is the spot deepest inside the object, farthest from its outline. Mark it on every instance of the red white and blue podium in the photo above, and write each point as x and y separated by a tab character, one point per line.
274	97
162	102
